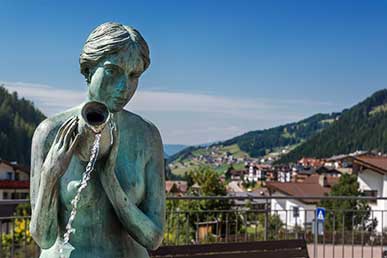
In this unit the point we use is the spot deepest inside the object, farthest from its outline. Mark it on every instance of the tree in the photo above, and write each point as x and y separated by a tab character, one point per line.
349	213
185	215
18	120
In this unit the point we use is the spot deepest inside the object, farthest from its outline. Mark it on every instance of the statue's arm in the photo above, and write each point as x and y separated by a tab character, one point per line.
145	223
44	193
47	167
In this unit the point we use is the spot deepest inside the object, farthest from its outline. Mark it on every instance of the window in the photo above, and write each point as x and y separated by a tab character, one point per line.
371	193
5	195
296	212
24	196
9	175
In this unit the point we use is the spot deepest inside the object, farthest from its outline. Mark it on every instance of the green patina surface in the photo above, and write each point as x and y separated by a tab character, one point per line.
121	212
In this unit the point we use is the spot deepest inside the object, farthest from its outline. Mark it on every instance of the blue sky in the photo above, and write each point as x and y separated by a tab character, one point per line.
219	68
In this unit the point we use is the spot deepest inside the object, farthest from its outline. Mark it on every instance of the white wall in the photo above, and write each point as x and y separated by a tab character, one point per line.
284	209
370	180
4	169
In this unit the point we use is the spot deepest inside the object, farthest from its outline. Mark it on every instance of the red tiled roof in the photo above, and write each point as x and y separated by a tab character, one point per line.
378	163
181	186
314	179
311	162
11	184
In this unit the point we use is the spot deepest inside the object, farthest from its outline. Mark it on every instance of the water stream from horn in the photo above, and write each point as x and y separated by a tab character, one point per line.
85	178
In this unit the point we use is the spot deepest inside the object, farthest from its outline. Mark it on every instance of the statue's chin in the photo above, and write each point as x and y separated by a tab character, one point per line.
116	109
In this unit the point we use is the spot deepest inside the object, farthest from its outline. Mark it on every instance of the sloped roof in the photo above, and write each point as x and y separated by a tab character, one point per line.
314	179
307	188
378	163
179	186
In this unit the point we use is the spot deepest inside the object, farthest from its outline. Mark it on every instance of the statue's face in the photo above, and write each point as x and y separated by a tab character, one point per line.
110	83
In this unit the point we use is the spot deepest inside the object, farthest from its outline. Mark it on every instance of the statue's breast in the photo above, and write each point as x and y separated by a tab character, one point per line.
130	173
70	182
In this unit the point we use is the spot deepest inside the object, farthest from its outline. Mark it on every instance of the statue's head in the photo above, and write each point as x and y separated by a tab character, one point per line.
112	60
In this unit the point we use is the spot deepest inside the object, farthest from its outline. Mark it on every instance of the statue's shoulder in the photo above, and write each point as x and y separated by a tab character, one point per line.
138	125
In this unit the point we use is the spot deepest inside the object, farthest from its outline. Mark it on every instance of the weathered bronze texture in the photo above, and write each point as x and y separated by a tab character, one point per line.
121	212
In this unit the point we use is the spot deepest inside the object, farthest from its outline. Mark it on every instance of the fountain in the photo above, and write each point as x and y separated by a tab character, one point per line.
97	172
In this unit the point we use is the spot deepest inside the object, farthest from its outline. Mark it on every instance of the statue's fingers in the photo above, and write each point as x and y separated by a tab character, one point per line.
65	131
74	143
114	150
63	126
116	134
69	133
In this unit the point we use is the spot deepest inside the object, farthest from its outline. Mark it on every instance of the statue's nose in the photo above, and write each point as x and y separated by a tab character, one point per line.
95	86
121	87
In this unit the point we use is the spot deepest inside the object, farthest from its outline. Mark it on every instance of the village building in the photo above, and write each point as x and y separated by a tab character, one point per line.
343	161
311	162
371	174
14	181
302	174
328	171
235	175
299	212
257	172
176	188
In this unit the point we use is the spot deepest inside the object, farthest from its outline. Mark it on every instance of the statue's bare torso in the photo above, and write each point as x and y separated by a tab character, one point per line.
99	233
121	212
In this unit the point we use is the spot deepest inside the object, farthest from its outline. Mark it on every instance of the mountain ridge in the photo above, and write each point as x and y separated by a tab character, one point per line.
361	127
258	143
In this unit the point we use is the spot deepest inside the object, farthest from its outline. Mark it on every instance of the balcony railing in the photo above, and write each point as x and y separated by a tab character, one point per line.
346	232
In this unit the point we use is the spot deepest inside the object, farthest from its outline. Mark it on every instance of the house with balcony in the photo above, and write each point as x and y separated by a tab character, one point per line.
371	174
14	181
299	212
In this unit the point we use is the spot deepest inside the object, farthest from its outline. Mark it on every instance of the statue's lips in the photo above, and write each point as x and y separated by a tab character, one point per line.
119	101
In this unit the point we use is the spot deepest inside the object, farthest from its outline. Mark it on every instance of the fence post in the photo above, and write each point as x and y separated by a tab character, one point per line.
315	234
1	237
266	219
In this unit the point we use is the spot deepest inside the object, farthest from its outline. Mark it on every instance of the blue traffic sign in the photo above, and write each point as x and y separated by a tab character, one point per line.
320	214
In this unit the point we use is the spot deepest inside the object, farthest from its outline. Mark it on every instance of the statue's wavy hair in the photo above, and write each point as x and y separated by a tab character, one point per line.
110	38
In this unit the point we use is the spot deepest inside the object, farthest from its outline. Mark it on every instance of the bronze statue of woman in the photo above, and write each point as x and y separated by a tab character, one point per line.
121	212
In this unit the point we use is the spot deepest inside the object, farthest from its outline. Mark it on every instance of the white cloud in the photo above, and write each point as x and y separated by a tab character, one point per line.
49	99
187	118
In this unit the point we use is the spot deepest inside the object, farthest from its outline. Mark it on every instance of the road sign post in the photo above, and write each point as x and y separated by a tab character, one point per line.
320	214
318	219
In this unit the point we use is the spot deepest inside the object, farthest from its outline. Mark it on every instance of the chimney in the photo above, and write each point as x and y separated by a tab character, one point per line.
323	181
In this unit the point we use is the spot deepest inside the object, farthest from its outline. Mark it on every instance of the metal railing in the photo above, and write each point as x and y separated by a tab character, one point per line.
345	232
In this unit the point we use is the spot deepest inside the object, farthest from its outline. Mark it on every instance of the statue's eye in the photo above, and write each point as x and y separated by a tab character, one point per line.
110	71
87	74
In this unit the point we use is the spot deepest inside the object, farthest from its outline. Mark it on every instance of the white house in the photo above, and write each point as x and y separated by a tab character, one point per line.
372	178
14	181
299	212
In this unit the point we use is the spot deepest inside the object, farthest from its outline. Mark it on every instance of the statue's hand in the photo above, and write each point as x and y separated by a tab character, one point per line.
111	160
62	149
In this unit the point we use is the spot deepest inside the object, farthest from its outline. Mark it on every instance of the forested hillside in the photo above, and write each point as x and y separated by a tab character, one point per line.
18	120
261	142
362	127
